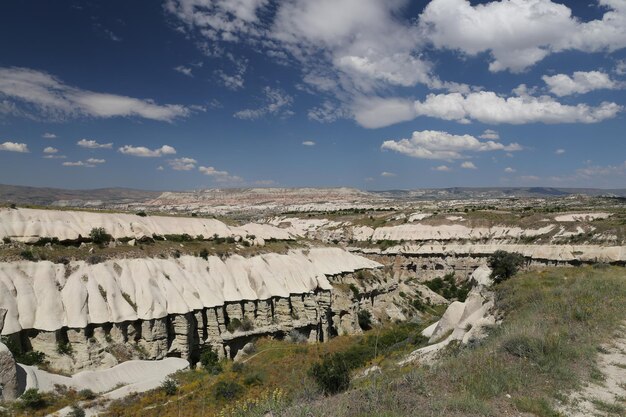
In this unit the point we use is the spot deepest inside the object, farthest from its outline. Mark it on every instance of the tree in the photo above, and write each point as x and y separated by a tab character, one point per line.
504	265
99	236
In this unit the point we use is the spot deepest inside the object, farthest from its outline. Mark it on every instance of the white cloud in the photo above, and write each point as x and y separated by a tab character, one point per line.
509	170
579	83
328	112
48	135
32	93
559	151
442	168
78	164
144	152
490	134
387	174
53	156
308	143
276	103
184	70
218	20
519	33
487	107
482	106
14	147
96	161
92	144
235	80
433	144
468	165
219	176
620	67
182	164
50	149
160	168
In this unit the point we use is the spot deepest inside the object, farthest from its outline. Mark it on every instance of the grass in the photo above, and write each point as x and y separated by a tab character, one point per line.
554	321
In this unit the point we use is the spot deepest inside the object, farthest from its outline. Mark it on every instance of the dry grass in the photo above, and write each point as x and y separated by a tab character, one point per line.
555	320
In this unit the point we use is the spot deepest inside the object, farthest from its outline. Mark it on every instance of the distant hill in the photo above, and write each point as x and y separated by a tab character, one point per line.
104	197
57	196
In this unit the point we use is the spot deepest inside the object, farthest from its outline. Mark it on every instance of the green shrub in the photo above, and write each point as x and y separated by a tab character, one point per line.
365	319
32	398
28	255
332	375
169	386
204	254
86	394
355	291
227	390
141	214
76	412
64	348
233	325
6	240
99	236
253	379
210	361
504	265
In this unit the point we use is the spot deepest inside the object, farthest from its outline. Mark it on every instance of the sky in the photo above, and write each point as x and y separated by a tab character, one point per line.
372	94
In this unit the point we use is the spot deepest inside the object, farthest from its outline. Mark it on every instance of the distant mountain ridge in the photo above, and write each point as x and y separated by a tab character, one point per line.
120	196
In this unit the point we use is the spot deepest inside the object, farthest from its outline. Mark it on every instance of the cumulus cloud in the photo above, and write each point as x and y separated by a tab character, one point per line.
490	134
144	152
275	103
50	149
559	151
36	93
220	176
433	144
579	83
48	135
442	168
95	161
308	143
182	164
519	33
387	174
482	106
92	144
54	156
509	170
468	165
14	147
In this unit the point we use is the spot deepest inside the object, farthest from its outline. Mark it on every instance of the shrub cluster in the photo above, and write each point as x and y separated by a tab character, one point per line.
504	265
447	287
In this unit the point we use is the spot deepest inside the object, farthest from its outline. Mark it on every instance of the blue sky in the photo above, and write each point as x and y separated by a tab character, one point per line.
374	94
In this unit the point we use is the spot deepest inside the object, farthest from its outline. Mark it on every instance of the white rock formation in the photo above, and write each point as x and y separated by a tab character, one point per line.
47	296
581	217
462	321
131	376
558	253
30	224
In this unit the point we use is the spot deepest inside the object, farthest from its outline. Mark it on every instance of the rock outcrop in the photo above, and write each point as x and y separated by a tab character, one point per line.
31	224
84	316
8	369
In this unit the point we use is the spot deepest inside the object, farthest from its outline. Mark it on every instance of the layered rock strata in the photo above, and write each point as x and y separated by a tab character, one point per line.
91	316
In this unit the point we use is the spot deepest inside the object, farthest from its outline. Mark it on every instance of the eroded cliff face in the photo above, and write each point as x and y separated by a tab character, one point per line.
84	316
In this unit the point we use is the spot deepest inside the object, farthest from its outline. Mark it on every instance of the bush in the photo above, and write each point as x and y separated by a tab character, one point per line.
504	265
141	214
332	375
32	399
253	379
365	319
86	394
6	240
204	254
227	390
99	236
355	291
76	412
64	348
247	325
28	255
210	361
169	386
233	325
